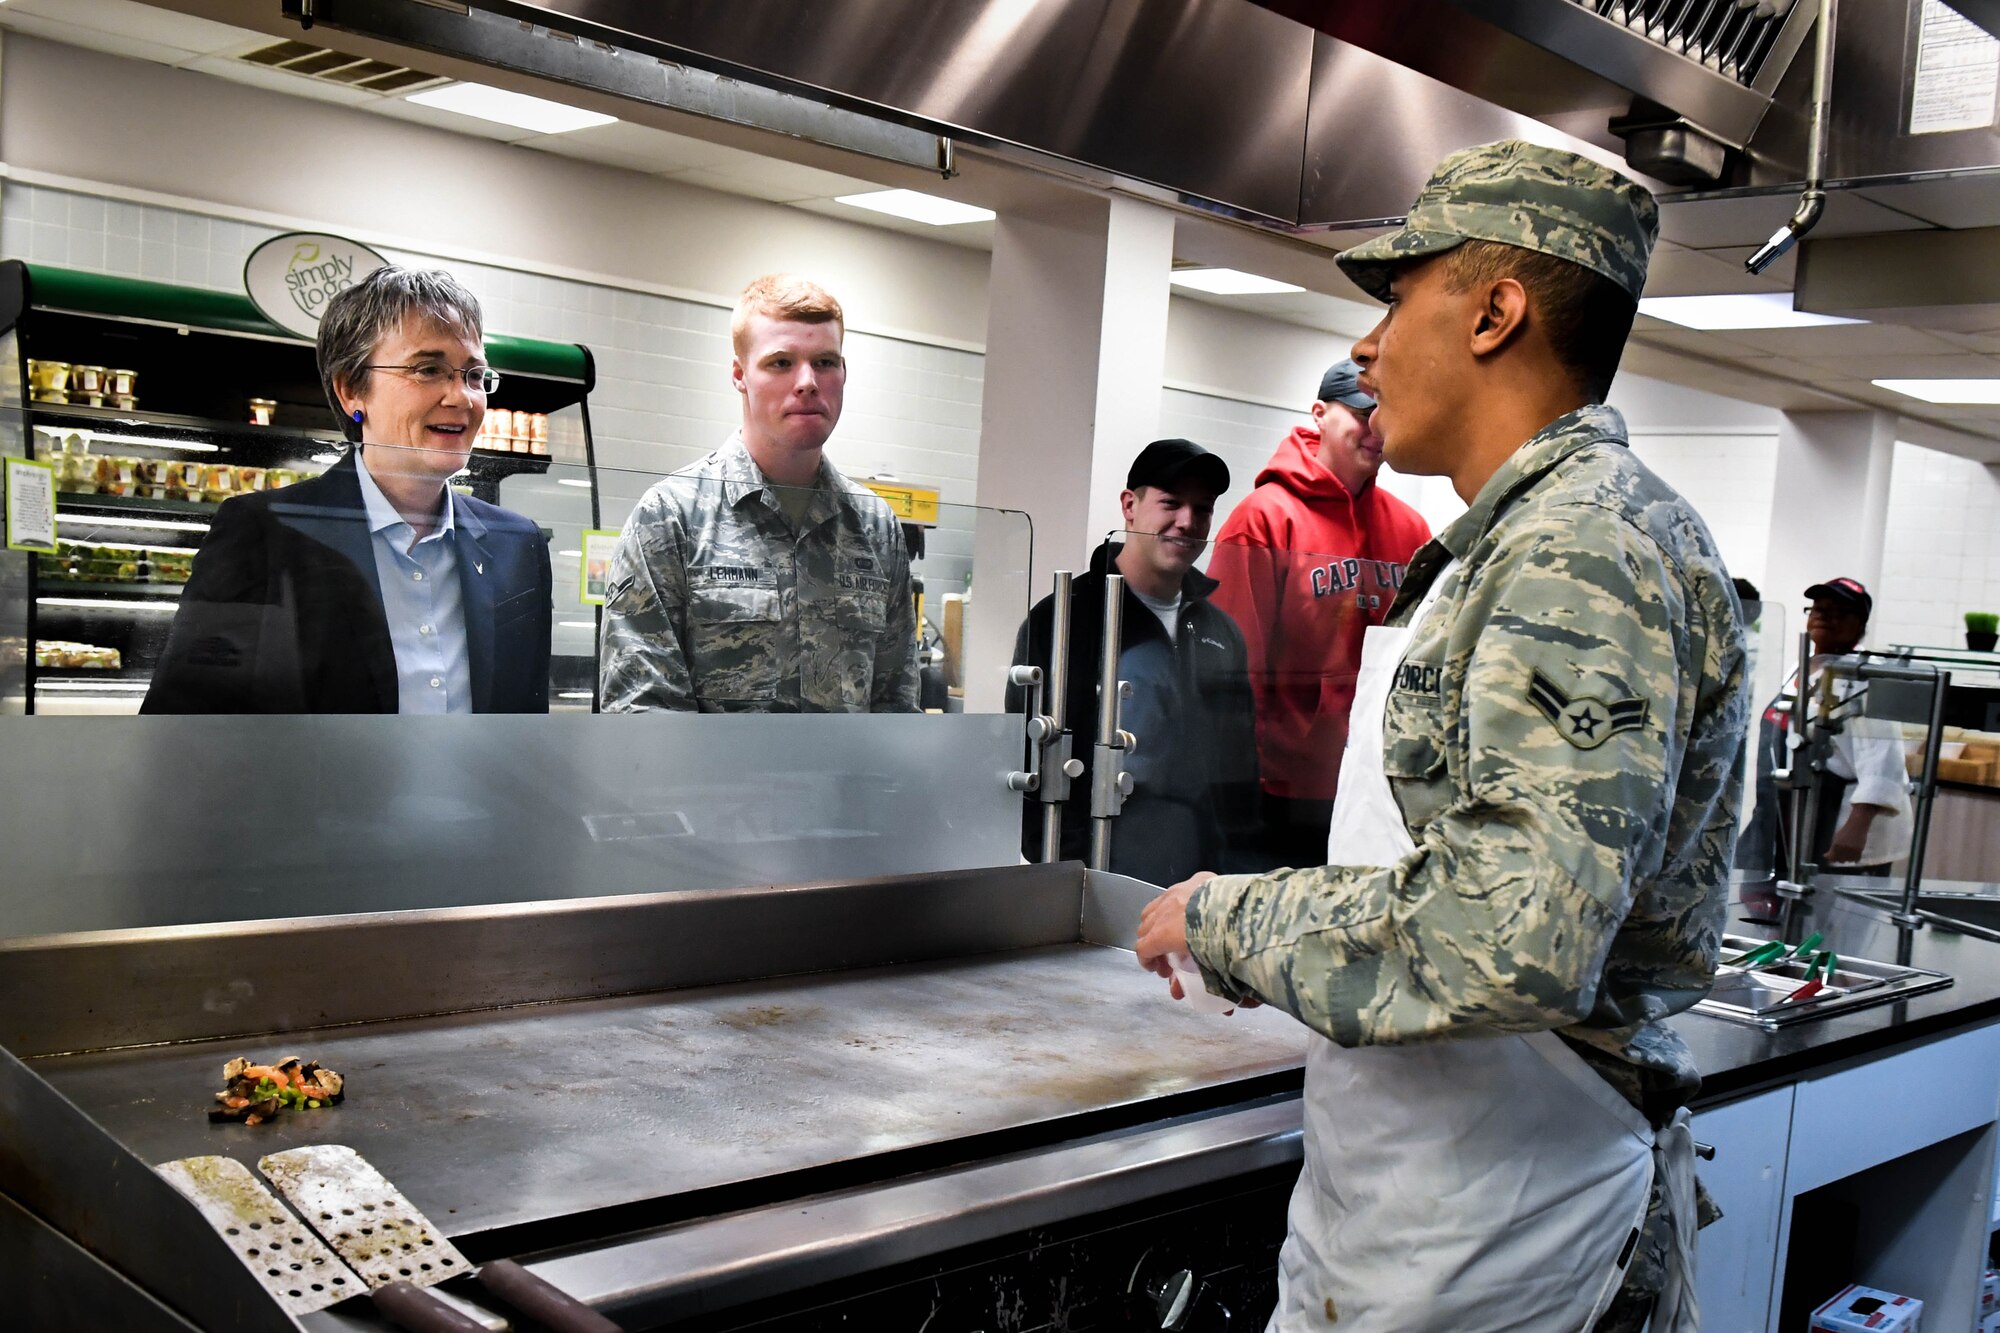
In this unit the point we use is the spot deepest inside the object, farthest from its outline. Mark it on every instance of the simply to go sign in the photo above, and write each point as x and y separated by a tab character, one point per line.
292	277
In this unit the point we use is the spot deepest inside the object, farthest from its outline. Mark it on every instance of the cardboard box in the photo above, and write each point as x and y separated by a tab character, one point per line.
1866	1310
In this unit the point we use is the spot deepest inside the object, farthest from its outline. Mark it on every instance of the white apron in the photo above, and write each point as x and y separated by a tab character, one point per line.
1477	1184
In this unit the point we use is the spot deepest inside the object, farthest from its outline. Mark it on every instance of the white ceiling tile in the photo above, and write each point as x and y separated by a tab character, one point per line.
1973	342
92	39
769	178
137	23
1965	365
635	147
1844	340
449	120
726	185
1678	271
1959	203
1659	333
1709	223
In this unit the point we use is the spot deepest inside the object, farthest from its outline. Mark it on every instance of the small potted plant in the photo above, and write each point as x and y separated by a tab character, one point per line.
1980	629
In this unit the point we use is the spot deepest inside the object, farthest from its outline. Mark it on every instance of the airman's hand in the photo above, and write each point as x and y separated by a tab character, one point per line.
1163	925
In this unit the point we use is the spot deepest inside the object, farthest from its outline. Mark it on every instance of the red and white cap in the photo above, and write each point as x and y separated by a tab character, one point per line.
1845	590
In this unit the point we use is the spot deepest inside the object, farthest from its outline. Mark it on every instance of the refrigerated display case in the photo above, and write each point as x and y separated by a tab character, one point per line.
154	403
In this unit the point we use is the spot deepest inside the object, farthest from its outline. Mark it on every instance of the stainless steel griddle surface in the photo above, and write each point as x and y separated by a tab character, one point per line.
521	1115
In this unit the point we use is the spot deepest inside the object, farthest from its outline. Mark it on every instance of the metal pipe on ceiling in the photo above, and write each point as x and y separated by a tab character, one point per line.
1813	202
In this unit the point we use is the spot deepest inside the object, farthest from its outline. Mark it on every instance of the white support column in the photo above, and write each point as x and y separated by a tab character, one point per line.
1832	505
1132	352
1075	357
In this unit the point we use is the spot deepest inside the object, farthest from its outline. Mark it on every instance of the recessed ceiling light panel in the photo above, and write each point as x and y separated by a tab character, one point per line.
1229	282
917	207
1744	310
1979	393
504	108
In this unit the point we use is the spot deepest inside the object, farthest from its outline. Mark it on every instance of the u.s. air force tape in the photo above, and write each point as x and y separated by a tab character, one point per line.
1584	720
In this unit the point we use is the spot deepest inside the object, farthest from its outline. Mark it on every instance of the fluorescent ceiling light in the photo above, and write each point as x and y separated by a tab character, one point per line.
1976	392
107	604
1229	282
127	546
82	686
577	624
143	441
572	481
504	108
927	208
112	521
1744	310
574	694
572	555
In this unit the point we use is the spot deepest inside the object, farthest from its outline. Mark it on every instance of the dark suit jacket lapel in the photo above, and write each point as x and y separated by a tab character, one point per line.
336	517
477	577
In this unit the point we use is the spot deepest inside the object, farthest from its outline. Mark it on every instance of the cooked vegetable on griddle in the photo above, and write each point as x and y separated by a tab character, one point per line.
255	1093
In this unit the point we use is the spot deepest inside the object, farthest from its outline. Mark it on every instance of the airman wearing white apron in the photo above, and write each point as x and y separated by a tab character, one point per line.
1530	848
1492	1182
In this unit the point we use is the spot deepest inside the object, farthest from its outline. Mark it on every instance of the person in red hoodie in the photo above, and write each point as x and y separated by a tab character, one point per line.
1309	560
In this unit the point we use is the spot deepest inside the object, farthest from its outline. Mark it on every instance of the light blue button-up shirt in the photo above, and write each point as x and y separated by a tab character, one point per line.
424	605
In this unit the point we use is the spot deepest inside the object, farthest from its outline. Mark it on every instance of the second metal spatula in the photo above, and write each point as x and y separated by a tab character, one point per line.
397	1252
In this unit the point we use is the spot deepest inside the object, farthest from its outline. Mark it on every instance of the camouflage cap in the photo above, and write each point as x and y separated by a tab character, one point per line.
1523	194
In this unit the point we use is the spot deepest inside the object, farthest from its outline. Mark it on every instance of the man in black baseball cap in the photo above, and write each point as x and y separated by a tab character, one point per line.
1194	797
1165	462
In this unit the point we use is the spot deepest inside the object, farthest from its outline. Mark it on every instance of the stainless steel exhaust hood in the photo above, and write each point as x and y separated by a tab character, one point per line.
1715	63
1298	114
1220	101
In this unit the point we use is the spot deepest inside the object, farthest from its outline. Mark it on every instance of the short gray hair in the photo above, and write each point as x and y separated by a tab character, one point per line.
362	315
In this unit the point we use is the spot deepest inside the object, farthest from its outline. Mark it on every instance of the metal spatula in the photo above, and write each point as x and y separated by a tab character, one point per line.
397	1252
288	1259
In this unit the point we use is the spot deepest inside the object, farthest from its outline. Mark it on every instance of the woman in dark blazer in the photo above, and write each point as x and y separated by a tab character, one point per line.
285	609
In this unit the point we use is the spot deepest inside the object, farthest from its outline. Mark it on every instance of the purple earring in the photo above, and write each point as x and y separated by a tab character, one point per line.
357	416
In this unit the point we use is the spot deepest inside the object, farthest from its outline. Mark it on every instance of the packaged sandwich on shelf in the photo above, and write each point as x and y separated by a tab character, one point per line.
117	476
76	474
57	655
218	482
184	480
153	476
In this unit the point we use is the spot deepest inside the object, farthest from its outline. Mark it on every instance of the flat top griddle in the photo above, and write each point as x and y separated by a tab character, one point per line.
523	1115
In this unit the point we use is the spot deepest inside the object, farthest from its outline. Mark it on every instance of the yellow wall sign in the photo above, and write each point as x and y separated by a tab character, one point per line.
912	504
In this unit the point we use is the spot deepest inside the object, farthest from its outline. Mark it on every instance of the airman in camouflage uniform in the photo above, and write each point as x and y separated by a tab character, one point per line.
1563	736
718	602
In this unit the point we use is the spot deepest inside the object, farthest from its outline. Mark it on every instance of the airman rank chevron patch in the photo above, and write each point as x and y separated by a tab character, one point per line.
1582	720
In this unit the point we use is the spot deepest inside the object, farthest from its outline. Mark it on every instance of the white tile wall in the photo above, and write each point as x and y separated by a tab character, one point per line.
663	397
1941	553
1730	480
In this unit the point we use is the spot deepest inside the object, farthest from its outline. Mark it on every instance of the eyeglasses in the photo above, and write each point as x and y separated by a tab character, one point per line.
433	374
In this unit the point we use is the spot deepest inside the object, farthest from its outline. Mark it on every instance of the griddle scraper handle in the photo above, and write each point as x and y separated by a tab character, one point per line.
411	1307
547	1305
